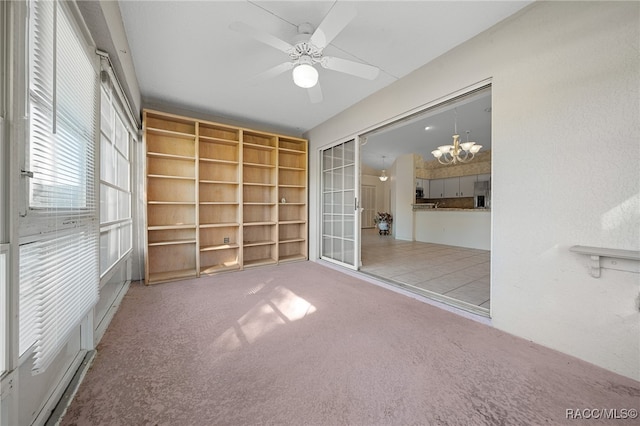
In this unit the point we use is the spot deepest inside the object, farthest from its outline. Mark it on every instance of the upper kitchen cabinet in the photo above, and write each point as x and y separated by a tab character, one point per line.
436	188
422	188
454	187
466	185
459	186
451	187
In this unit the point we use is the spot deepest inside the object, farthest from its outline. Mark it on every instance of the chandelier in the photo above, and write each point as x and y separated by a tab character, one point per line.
383	177
458	152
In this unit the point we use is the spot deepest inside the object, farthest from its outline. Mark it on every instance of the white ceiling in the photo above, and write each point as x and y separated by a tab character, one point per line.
471	113
185	55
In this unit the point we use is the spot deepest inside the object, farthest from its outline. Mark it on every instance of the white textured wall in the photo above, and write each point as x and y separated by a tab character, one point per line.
402	195
565	78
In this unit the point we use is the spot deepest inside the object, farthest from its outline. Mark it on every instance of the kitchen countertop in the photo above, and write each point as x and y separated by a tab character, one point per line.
422	207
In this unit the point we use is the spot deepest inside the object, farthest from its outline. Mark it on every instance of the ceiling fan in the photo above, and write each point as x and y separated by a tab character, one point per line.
307	51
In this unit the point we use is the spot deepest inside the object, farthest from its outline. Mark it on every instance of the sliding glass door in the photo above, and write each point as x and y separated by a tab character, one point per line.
340	204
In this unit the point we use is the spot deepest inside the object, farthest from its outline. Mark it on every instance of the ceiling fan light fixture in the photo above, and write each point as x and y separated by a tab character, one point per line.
305	76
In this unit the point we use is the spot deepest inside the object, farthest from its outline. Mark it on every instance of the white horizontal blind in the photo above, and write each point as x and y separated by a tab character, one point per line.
63	97
59	276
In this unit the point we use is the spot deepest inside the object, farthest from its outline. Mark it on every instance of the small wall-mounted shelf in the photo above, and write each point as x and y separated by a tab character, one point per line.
621	260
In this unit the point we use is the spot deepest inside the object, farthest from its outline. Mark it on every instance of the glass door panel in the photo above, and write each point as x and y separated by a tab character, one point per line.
339	204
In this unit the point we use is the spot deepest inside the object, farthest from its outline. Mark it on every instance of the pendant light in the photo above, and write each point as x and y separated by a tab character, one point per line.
383	177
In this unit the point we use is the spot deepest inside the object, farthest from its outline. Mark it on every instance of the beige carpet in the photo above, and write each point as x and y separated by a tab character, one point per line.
302	344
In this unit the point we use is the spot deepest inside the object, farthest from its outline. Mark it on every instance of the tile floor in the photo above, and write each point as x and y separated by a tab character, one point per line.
455	275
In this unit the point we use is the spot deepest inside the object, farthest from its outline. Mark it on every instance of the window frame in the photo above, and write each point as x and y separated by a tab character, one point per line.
41	226
36	221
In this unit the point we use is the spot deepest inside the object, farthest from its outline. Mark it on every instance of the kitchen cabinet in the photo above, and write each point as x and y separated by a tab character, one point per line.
454	187
484	177
436	188
466	185
425	187
451	187
422	184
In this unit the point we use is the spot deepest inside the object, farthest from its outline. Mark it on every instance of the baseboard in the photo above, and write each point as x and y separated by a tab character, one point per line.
65	400
108	316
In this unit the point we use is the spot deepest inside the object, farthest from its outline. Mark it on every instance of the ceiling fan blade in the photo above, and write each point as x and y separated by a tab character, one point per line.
350	67
272	72
261	36
335	21
315	93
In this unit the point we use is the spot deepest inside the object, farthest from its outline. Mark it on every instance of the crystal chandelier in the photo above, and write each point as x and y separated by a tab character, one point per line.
458	152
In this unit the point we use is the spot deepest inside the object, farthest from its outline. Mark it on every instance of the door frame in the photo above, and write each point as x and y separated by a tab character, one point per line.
355	265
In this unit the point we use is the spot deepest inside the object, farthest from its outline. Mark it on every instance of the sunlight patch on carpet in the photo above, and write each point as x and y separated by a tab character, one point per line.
280	307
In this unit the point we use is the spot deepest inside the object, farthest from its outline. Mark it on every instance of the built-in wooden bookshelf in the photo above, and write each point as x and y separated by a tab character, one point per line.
259	220
171	197
292	198
221	198
219	191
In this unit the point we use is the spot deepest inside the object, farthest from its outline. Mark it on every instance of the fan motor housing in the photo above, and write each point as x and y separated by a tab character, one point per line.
302	46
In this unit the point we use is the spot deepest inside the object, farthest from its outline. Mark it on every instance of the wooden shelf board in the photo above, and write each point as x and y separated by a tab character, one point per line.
220	203
292	257
258	243
258	204
220	182
169	203
292	151
258	146
220	247
291	222
217	140
219	225
295	240
214	160
258	223
259	165
171	177
259	262
297	169
291	186
209	270
292	204
170	156
158	277
169	227
171	243
155	130
260	184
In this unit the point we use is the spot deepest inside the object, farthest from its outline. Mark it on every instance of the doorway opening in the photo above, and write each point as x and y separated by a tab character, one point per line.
439	245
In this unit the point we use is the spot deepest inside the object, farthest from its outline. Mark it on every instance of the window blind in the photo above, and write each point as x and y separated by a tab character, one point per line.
59	276
63	109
